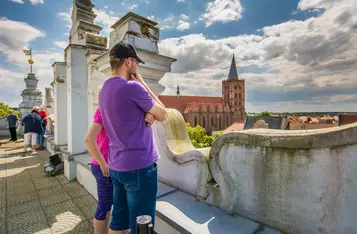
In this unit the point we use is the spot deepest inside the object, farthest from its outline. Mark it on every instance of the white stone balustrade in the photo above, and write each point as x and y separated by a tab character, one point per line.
181	165
294	181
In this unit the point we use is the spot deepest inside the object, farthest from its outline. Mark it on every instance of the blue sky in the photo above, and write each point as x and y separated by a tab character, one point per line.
296	55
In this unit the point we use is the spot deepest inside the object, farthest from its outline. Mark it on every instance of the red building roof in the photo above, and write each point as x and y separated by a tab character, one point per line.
187	103
347	119
235	127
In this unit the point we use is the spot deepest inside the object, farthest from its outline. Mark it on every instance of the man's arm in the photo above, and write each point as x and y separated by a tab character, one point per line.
158	110
91	144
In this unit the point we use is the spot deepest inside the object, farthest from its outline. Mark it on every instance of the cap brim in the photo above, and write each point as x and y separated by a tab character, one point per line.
140	60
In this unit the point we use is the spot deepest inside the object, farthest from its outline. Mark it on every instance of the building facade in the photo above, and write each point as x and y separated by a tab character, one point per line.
213	113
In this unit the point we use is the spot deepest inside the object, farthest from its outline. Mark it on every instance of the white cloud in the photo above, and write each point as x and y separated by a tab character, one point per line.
184	17
222	11
180	0
183	25
17	1
11	46
172	21
151	17
36	2
315	4
303	62
61	44
105	7
66	16
106	20
132	7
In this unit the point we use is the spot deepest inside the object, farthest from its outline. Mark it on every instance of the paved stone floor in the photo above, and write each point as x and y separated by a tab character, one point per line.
33	202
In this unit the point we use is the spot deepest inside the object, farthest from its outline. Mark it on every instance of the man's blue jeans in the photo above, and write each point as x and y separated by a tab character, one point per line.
134	195
41	138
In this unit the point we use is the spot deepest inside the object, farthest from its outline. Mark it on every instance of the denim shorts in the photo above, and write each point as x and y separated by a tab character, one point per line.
134	195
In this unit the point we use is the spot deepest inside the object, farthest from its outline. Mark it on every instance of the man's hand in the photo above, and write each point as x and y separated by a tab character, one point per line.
105	169
138	78
149	119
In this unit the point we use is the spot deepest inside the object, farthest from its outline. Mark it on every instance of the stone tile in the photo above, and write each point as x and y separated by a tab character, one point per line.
63	207
38	228
2	201
14	190
50	192
45	183
22	198
267	230
56	198
3	220
68	223
3	174
15	164
87	204
24	220
21	208
62	179
85	227
75	190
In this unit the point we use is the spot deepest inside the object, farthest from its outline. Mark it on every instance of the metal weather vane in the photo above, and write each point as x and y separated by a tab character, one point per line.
30	61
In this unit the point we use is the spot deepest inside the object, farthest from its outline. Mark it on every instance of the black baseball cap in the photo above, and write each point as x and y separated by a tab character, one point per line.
124	50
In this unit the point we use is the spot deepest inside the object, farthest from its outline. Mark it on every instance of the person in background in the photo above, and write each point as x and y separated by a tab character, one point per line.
12	123
33	126
123	102
41	136
97	143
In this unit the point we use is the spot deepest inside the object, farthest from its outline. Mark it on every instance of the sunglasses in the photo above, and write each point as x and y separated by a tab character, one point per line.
134	60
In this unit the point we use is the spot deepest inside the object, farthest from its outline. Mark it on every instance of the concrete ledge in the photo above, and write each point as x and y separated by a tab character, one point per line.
292	139
178	212
83	159
185	214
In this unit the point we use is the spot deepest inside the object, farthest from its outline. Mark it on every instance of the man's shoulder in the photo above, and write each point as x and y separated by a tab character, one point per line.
137	86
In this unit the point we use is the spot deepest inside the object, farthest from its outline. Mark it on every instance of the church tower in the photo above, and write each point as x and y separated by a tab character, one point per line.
233	92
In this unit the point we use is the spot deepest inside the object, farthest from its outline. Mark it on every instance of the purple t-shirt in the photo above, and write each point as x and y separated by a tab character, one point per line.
123	105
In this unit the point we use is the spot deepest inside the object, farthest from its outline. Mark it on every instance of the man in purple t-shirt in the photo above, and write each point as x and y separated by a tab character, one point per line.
123	102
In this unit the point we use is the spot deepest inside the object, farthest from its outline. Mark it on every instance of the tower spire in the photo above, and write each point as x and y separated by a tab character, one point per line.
233	74
178	91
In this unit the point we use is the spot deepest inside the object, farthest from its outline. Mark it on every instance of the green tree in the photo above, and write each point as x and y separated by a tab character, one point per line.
199	137
265	113
4	110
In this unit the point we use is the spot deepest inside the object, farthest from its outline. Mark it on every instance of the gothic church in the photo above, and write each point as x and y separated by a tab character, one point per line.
213	113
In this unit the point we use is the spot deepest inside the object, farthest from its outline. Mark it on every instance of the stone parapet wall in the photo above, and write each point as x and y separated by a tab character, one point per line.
295	181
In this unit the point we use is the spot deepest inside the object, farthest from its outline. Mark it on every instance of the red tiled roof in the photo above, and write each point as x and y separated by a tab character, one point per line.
234	127
348	119
186	103
297	126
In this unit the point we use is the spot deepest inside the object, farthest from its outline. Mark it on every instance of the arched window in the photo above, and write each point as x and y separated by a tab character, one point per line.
211	120
195	121
204	121
220	123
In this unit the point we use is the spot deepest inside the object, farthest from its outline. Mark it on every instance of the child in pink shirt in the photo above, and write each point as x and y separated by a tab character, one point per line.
97	143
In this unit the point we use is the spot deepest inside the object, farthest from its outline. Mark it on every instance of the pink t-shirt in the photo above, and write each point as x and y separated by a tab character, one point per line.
102	138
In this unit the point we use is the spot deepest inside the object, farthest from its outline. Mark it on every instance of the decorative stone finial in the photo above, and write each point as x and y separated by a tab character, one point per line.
140	32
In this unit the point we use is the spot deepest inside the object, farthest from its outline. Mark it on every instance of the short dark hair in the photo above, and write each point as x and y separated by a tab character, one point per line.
34	111
116	63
